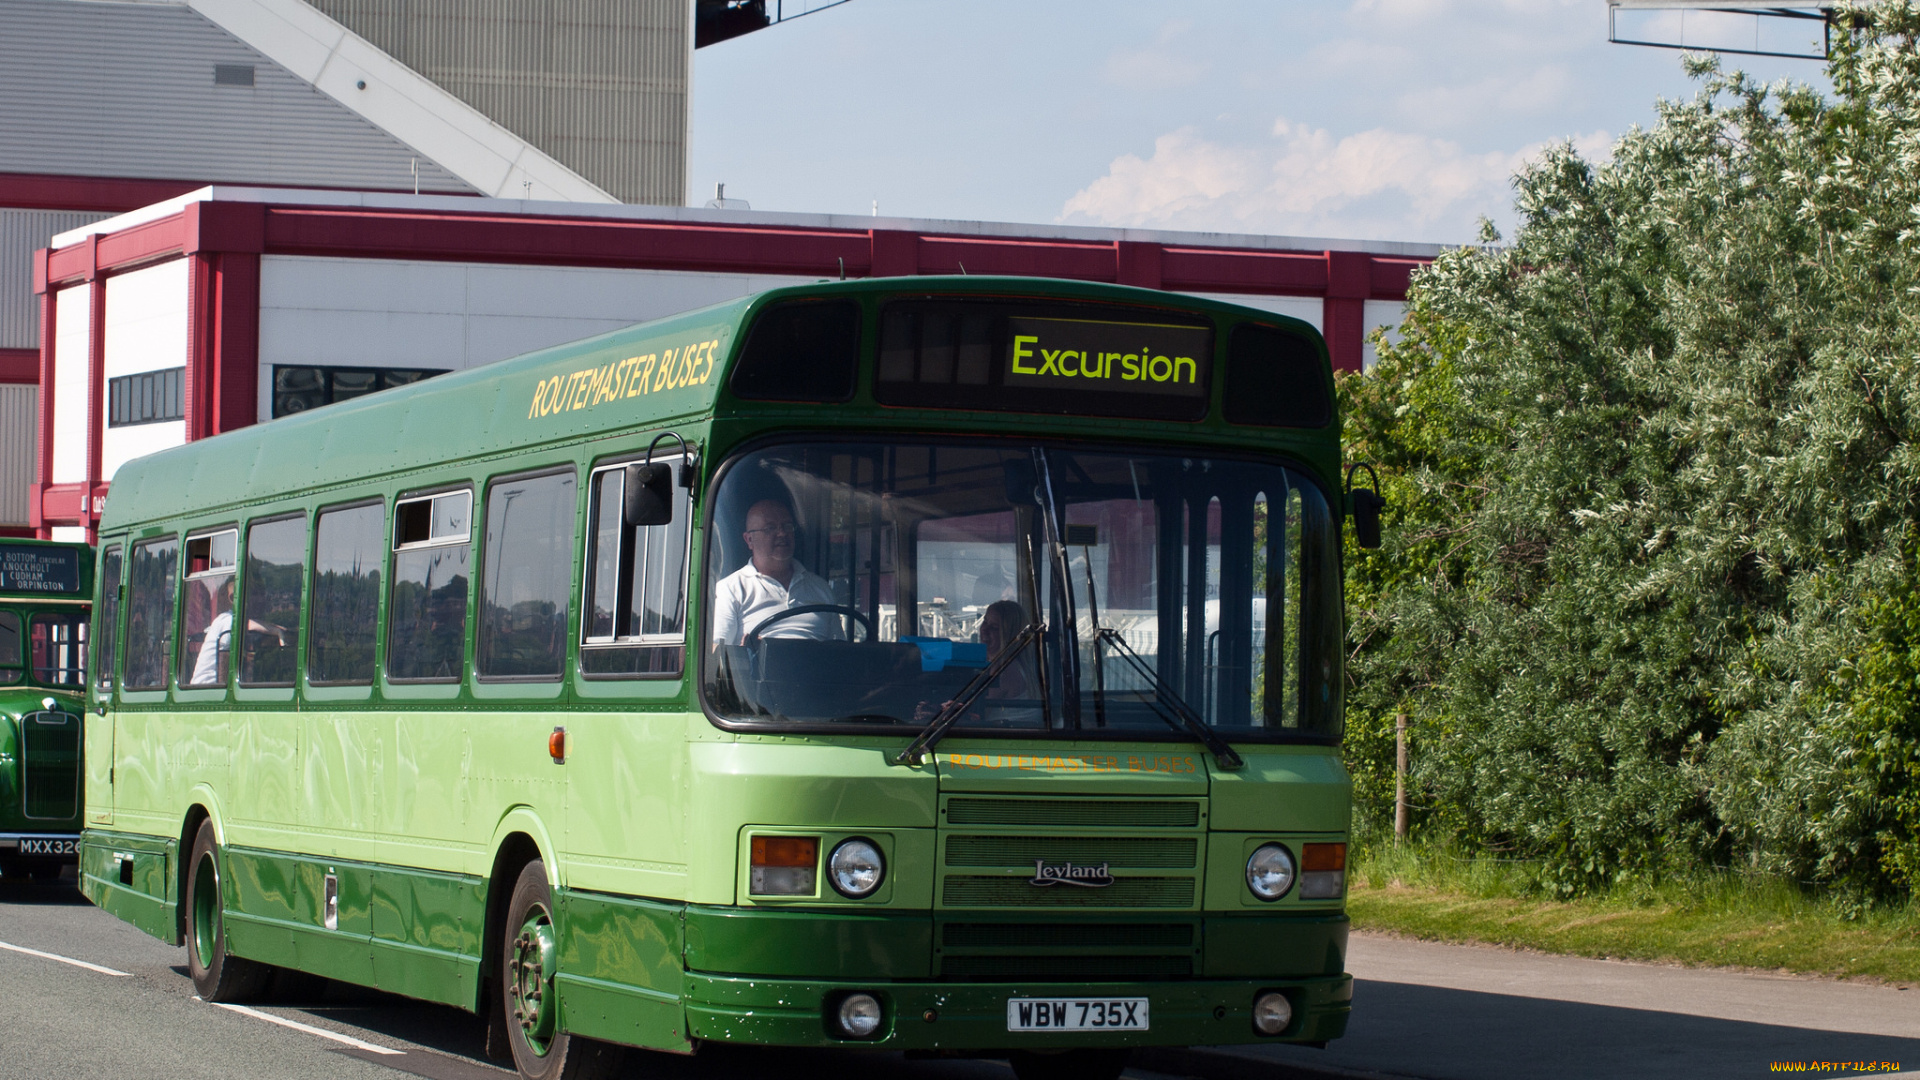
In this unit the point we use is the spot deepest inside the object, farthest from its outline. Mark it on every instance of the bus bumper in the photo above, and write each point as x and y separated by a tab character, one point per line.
973	1016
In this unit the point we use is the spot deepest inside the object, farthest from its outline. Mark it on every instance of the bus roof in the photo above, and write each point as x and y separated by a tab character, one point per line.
566	394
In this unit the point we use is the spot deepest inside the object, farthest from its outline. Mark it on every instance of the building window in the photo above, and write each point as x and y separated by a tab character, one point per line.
297	389
151	397
233	74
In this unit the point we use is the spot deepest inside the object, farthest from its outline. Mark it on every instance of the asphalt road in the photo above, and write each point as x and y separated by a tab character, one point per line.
1434	1012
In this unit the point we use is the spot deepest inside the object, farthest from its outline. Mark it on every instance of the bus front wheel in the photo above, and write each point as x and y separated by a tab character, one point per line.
529	960
217	976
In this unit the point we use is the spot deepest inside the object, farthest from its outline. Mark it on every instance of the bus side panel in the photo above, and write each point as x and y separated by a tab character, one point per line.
131	877
274	913
620	976
426	934
626	790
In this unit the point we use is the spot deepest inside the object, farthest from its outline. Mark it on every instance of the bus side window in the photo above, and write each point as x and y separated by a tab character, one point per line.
349	546
269	636
427	616
150	592
527	577
206	638
106	653
635	624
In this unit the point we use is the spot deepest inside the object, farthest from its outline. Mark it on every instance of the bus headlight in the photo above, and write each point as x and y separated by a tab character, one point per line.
1272	1012
1270	872
855	868
858	1016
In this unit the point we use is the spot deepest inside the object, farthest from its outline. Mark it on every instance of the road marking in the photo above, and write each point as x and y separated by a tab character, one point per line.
65	960
308	1028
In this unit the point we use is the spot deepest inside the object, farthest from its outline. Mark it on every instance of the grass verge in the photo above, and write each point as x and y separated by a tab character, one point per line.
1706	920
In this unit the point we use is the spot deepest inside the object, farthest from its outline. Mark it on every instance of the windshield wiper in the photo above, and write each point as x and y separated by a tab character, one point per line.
951	713
1181	717
1062	581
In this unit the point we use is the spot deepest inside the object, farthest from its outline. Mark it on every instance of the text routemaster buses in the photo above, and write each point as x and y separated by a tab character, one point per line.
939	664
45	589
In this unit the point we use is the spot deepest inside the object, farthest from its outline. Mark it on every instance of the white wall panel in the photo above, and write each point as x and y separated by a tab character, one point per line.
1308	309
19	423
1381	313
72	340
393	313
146	330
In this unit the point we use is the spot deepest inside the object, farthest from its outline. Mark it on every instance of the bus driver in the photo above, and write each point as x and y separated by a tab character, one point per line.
770	582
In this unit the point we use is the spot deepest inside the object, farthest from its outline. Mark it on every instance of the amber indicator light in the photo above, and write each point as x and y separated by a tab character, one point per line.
557	745
1323	857
786	851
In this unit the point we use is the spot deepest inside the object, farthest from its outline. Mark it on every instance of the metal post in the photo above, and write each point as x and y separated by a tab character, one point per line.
1400	778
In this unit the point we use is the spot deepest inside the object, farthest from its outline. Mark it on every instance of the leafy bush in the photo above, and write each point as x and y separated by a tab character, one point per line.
1649	594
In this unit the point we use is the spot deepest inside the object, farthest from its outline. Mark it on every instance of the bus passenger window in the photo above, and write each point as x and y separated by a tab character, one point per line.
276	561
348	547
206	629
427	617
527	576
635	624
106	657
10	666
58	643
150	592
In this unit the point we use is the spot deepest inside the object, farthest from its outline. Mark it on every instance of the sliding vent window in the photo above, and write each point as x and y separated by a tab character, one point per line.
528	575
106	656
1274	379
637	583
206	622
150	591
349	545
802	351
11	668
432	540
270	642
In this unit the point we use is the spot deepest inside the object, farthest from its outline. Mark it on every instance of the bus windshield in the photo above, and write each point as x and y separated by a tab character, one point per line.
881	583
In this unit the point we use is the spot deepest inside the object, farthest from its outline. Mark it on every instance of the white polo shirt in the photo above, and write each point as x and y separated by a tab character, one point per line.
746	597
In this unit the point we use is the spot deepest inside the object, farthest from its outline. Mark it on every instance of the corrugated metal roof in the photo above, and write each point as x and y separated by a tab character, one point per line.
19	422
601	85
108	89
22	232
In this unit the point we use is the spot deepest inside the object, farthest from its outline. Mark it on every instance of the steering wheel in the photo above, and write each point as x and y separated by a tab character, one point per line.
753	635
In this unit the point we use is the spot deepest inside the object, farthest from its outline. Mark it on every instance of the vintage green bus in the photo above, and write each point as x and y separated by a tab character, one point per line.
942	664
45	590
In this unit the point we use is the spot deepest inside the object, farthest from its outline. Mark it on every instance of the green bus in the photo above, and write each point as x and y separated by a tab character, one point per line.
942	664
45	590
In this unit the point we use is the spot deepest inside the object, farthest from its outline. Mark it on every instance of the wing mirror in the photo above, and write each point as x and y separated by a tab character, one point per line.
1367	504
647	491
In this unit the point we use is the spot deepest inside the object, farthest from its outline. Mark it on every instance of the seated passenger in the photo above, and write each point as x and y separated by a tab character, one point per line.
771	581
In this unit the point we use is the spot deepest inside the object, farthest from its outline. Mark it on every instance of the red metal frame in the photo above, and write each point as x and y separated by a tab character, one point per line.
225	241
19	365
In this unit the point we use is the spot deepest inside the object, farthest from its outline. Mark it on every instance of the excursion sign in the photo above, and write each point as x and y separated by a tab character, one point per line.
1133	358
49	571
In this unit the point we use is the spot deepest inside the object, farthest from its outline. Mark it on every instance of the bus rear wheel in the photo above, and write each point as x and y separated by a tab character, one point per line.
529	960
1069	1064
217	976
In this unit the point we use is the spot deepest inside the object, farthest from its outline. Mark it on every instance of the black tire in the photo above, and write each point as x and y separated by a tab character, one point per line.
216	975
1069	1064
529	960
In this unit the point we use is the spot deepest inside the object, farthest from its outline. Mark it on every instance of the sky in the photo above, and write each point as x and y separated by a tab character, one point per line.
1353	119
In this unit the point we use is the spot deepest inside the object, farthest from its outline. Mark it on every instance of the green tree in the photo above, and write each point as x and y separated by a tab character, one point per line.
1648	594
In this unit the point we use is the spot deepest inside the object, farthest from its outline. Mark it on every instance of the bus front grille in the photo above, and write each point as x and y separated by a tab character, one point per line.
1145	852
50	755
1071	813
1034	968
967	890
1088	948
1073	935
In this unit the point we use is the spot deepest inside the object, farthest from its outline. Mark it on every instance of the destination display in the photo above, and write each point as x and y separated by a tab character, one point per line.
30	568
1090	360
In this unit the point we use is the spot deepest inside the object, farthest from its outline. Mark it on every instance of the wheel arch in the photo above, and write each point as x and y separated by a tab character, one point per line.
519	838
202	806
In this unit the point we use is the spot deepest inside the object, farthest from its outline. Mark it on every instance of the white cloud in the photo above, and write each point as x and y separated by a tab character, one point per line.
1379	184
1159	66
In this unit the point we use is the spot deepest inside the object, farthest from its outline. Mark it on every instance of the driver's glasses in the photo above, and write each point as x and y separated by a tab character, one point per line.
783	529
